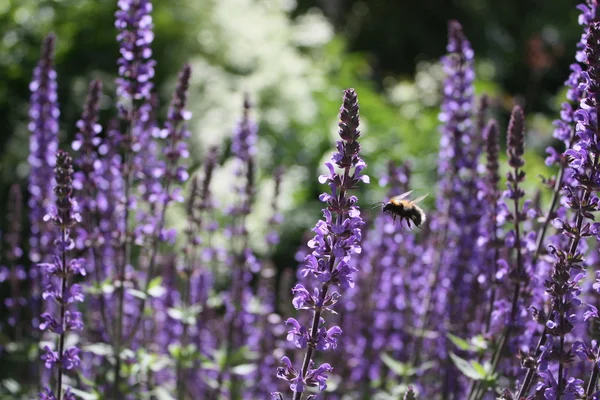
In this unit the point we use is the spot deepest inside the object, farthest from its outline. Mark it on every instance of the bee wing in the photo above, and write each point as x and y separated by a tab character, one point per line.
401	196
418	199
378	204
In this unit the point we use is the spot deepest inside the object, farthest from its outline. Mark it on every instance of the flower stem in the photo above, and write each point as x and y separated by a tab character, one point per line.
63	290
592	383
125	257
313	335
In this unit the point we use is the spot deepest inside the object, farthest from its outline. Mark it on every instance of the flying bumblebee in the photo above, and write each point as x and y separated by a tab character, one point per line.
406	209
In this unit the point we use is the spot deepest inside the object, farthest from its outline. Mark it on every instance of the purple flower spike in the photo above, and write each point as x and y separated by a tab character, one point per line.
136	67
337	237
459	210
563	285
43	125
61	319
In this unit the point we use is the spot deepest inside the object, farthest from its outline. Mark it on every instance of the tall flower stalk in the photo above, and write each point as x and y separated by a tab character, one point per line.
458	211
134	86
492	196
578	187
89	182
199	202
238	317
172	173
337	237
515	150
490	227
43	144
60	288
583	158
264	334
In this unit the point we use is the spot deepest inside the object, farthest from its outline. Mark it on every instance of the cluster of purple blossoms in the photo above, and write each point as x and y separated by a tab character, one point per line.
171	171
60	289
136	66
86	144
337	238
163	191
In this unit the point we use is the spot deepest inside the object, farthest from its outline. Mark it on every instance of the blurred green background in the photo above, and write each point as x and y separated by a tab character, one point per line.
294	58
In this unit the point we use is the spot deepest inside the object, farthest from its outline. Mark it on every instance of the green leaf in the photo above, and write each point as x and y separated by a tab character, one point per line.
425	366
399	368
107	286
426	334
479	368
468	368
210	366
212	383
159	364
190	314
215	301
127	354
155	288
13	347
11	385
175	313
186	315
99	349
162	394
479	342
86	381
175	350
137	293
220	357
458	342
85	395
243	369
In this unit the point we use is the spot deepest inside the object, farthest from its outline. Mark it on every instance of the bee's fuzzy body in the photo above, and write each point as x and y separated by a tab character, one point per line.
408	210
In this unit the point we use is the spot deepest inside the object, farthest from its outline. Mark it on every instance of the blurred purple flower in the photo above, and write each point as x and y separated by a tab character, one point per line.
136	67
43	125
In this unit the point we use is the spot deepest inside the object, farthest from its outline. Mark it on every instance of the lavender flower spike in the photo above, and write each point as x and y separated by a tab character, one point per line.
43	125
337	237
60	288
136	68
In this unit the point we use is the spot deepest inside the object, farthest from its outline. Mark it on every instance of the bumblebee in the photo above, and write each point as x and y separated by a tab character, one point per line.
405	209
